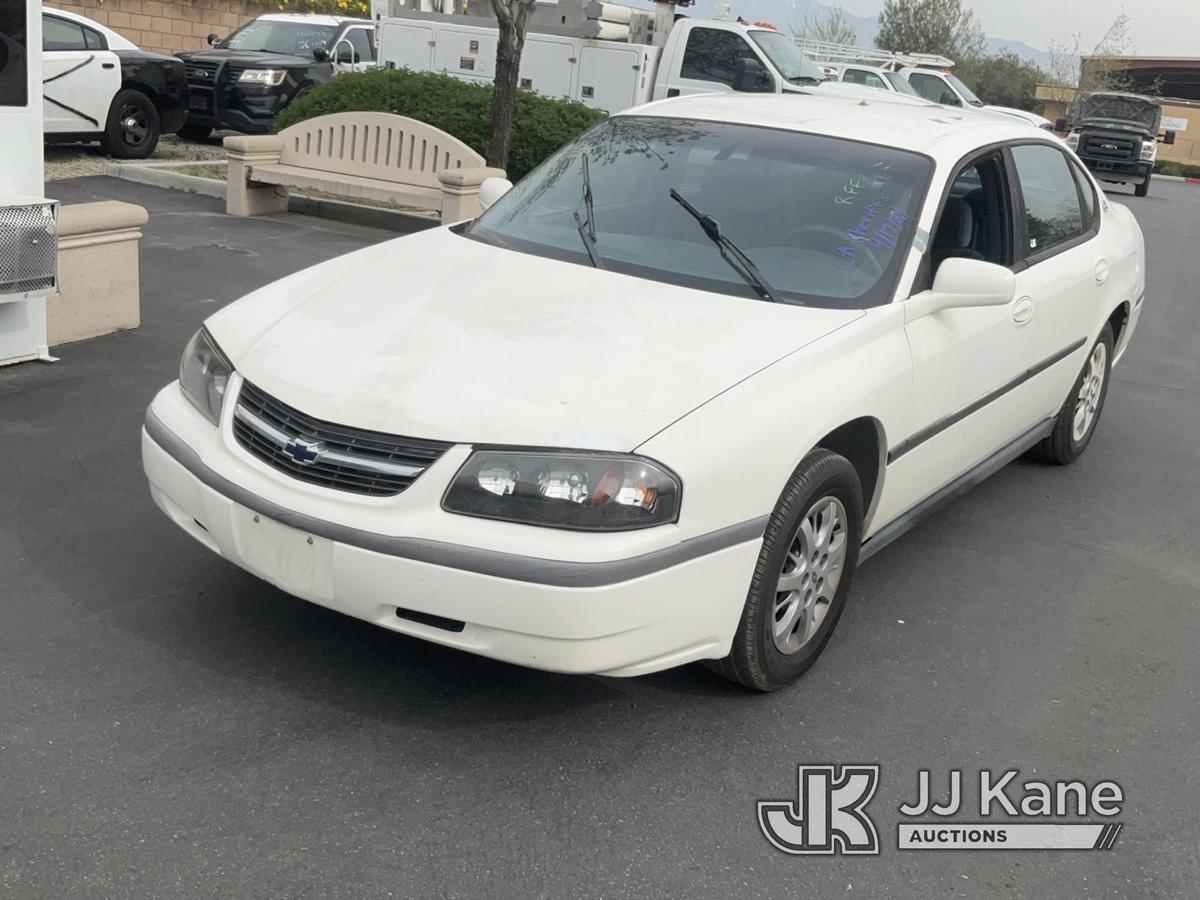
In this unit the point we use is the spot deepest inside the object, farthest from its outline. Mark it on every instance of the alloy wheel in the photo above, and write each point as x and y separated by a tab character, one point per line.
133	126
1088	400
809	577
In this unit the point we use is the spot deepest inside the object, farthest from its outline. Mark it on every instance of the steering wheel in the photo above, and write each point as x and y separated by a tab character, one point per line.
838	235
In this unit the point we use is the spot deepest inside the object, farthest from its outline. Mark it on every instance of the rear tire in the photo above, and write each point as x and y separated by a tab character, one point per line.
132	129
1080	414
1142	189
802	578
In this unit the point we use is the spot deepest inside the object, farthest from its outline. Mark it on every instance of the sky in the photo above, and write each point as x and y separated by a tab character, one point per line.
1158	27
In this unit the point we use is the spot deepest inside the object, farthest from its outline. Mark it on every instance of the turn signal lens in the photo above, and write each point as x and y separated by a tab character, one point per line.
577	491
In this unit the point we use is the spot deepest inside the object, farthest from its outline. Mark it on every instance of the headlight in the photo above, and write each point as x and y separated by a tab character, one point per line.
1072	140
1149	149
204	374
576	491
272	77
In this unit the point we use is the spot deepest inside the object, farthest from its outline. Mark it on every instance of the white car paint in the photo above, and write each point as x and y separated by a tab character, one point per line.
480	345
79	84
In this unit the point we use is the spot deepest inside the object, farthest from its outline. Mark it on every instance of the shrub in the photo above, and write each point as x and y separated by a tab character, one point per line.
1169	167
540	124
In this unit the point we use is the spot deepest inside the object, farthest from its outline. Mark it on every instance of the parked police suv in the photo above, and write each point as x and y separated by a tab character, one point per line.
244	81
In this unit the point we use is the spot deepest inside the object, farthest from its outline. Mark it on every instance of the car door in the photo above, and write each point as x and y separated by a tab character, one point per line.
1062	271
354	51
933	86
80	77
711	60
969	400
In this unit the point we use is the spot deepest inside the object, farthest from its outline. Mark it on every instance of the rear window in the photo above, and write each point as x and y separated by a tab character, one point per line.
826	221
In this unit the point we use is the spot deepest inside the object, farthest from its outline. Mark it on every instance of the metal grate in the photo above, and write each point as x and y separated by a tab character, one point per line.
333	456
1111	147
28	248
201	71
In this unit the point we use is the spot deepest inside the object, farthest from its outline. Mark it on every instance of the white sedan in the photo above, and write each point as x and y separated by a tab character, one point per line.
665	395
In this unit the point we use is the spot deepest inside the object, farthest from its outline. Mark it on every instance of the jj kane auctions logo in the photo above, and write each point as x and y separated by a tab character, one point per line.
829	814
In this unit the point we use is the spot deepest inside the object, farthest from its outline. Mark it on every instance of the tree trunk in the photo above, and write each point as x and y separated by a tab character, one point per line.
511	42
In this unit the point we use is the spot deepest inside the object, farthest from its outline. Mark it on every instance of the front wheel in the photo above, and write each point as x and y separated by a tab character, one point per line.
1076	421
132	129
800	584
190	132
1142	189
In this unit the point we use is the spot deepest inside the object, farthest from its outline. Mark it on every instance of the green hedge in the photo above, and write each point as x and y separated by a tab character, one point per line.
540	124
1168	167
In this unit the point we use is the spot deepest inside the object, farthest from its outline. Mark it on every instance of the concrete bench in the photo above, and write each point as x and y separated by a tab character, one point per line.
359	155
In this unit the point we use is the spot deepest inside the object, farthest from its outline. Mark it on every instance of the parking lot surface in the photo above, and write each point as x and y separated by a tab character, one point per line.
170	726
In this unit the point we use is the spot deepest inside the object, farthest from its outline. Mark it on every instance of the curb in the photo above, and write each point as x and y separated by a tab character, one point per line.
1181	179
161	175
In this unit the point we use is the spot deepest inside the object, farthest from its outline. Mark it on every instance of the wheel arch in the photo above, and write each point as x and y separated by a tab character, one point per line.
1119	319
864	443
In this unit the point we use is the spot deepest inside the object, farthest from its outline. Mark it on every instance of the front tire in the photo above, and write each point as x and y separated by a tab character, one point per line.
1076	421
1143	189
133	126
802	578
191	132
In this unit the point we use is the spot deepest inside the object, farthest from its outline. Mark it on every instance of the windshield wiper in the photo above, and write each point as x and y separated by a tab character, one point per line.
743	263
587	230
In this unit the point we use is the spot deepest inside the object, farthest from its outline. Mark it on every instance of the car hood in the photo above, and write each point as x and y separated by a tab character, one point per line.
443	337
249	58
1122	110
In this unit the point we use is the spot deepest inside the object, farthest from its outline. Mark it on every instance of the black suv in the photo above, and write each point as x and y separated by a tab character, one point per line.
243	82
1116	136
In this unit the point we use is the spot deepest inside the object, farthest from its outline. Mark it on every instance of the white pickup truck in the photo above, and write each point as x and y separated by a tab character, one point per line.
607	56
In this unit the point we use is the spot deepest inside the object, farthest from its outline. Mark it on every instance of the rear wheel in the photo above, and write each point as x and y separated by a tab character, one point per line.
1076	421
132	129
800	584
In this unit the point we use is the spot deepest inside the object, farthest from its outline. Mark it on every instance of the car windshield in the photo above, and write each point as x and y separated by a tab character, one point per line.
793	65
296	38
896	80
967	93
826	221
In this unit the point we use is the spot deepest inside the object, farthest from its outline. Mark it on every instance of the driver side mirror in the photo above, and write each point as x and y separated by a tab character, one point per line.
492	190
949	98
961	283
212	39
1168	138
320	54
752	77
1062	125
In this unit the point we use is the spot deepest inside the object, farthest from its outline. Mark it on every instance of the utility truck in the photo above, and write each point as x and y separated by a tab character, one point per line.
925	74
605	55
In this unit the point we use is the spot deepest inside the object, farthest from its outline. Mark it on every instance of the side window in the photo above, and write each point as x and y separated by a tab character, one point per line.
712	55
865	78
360	40
974	223
94	39
59	34
1053	214
931	87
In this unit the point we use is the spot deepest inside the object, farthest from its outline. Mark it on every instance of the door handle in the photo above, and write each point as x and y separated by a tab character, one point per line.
1022	310
1101	271
108	65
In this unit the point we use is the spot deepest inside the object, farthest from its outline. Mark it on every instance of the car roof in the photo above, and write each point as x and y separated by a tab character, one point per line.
311	17
923	128
116	41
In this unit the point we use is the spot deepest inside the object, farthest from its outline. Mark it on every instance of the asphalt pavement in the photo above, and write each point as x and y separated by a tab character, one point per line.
172	727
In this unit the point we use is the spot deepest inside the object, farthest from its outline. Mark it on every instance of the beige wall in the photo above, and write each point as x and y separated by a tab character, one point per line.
167	26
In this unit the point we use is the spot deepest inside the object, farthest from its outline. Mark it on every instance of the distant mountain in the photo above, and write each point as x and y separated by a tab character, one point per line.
788	14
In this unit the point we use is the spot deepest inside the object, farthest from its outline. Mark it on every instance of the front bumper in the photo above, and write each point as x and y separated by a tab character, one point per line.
1119	171
248	109
622	613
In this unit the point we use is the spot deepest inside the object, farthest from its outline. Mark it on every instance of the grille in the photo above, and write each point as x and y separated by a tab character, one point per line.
1107	147
28	248
201	71
232	74
333	456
